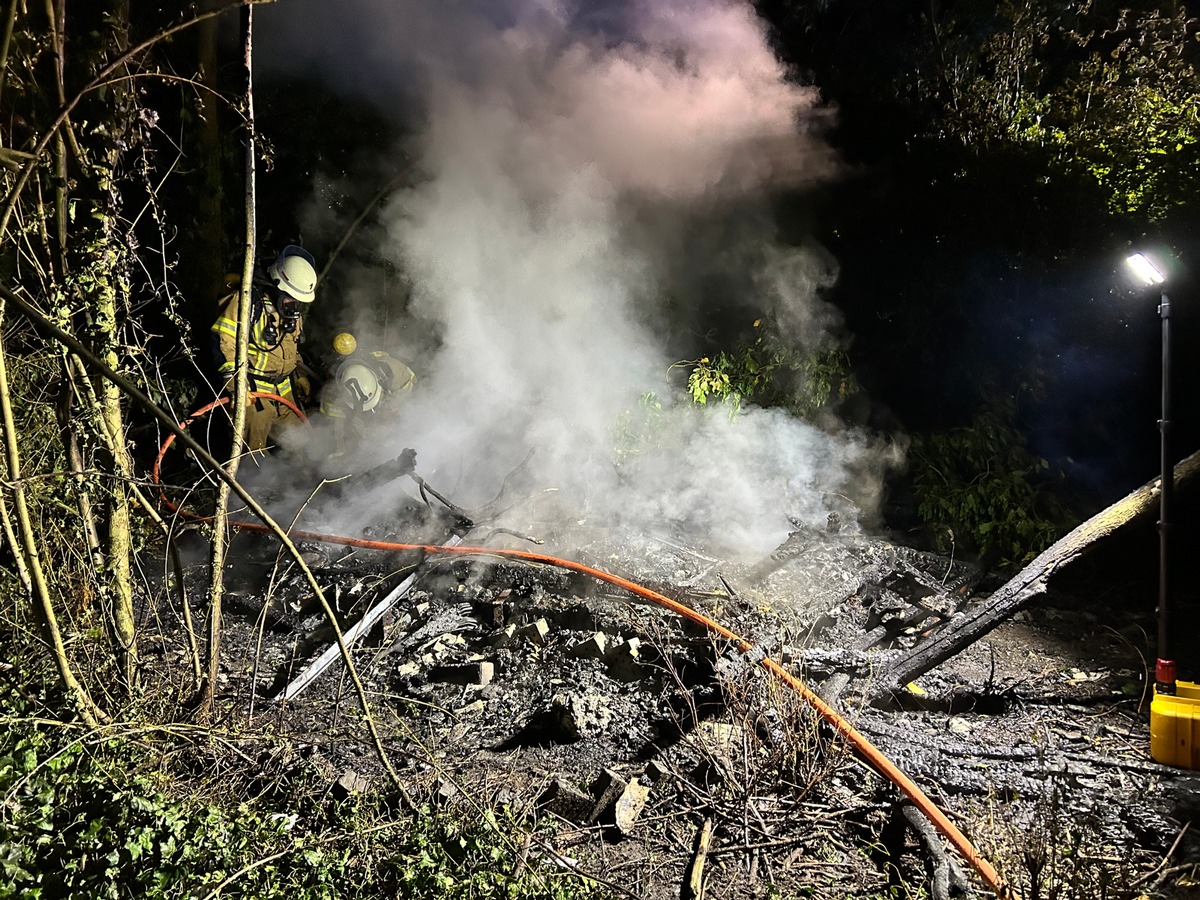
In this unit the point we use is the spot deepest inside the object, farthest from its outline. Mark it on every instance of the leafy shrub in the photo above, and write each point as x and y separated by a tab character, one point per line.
768	372
976	486
92	813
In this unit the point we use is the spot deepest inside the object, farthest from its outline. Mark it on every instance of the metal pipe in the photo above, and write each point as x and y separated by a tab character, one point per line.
1164	669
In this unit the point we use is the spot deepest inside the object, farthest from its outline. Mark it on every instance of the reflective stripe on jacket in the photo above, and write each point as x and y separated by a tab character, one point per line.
270	365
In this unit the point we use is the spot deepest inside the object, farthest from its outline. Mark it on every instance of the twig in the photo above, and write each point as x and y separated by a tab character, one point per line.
760	845
1142	879
525	537
215	892
695	882
733	595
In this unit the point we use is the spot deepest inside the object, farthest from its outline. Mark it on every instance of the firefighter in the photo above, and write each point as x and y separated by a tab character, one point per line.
365	385
276	328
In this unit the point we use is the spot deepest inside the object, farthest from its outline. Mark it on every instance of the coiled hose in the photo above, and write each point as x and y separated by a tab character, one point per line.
856	739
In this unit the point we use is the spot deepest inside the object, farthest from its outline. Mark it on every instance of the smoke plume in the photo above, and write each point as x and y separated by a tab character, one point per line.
589	187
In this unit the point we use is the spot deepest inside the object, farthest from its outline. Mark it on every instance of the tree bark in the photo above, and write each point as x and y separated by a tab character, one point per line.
220	523
91	264
84	705
964	629
108	260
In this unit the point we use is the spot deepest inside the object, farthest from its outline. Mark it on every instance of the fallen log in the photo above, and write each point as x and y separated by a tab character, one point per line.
968	626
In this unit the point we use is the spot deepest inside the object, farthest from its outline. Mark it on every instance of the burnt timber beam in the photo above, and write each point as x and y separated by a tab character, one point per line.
975	621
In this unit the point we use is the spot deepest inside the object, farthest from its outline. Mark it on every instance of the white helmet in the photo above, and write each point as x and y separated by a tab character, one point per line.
294	273
360	386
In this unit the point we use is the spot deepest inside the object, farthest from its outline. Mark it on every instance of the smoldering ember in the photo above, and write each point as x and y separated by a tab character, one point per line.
599	448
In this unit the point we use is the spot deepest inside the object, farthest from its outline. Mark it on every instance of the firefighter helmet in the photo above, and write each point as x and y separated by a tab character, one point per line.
294	273
360	386
344	344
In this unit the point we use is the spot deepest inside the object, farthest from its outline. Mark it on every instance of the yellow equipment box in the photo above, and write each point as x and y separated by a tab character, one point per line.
1175	726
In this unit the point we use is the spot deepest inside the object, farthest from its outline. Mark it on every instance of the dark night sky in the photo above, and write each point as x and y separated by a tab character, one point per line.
965	272
956	286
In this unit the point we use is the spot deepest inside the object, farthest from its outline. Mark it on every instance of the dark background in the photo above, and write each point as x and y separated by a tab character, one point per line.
963	275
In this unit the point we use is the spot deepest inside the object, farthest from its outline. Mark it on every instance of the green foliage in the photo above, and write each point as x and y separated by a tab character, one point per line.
1110	94
771	373
93	814
636	431
977	487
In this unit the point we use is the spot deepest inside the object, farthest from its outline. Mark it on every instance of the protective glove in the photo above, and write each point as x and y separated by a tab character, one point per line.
385	472
406	462
250	400
302	387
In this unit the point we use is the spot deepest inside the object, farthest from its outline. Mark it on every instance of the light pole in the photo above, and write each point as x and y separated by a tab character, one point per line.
1164	669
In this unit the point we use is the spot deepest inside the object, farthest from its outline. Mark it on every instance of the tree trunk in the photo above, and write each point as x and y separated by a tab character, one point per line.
210	233
965	628
220	524
109	263
32	560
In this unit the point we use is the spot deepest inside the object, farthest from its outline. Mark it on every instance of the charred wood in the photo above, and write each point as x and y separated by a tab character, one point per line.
1028	585
796	544
946	878
354	634
960	766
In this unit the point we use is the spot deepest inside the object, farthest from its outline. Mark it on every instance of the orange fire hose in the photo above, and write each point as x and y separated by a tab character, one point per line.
873	755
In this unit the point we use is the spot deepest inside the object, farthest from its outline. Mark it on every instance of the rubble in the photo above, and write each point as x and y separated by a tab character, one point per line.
578	716
591	647
558	684
476	674
629	805
350	782
567	802
624	660
607	789
535	632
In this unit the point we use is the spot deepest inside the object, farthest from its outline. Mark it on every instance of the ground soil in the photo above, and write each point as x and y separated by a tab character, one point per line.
488	693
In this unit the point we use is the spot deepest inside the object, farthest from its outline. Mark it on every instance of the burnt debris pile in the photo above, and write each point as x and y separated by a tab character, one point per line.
657	746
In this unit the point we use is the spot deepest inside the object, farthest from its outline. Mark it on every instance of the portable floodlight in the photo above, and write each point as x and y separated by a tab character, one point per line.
1175	709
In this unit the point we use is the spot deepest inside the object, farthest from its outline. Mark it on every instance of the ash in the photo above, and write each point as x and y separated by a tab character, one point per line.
561	697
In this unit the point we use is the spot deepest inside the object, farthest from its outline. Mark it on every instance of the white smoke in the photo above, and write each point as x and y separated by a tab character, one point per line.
576	164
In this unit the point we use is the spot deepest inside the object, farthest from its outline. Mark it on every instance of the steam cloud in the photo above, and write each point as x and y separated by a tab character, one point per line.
589	183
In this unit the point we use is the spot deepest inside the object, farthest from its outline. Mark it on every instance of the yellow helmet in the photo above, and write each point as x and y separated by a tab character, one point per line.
345	344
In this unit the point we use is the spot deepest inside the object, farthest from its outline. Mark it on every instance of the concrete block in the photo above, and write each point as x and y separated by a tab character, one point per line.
407	669
580	716
498	607
629	806
656	770
504	637
592	647
350	783
565	801
536	632
605	791
624	660
474	674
